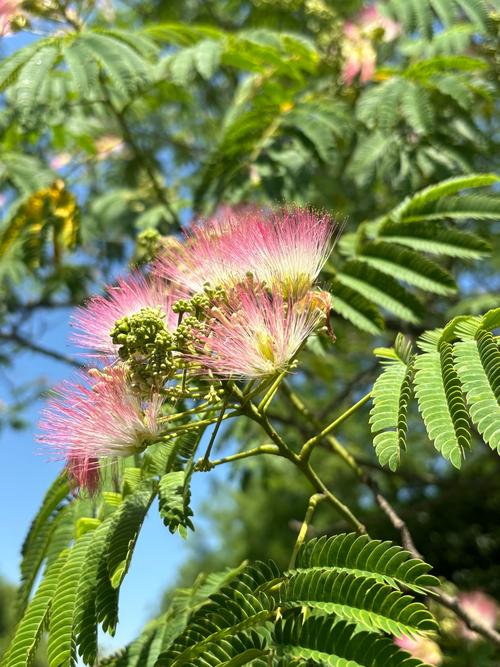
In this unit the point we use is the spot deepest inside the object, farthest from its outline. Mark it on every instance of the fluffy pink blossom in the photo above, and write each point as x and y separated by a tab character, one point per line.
421	647
108	145
8	10
358	51
481	607
290	248
60	160
83	472
207	256
94	321
97	416
285	249
254	334
372	22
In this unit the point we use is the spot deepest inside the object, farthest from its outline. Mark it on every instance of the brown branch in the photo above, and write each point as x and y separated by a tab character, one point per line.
475	624
157	185
21	341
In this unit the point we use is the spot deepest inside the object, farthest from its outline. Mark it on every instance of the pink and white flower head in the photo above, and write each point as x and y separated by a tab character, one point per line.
98	416
254	334
374	24
94	321
60	160
421	647
83	472
285	249
359	54
212	254
8	10
482	608
290	248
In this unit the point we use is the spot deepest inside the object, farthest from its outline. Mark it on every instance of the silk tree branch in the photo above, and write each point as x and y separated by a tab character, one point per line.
141	155
252	412
26	343
448	601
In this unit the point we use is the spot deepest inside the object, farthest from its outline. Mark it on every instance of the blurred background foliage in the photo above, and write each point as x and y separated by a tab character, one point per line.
123	121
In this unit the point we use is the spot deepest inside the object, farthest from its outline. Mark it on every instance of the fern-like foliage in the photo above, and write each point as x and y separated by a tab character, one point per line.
408	265
87	547
354	307
119	57
385	251
435	238
424	15
478	367
354	586
30	629
348	584
391	396
37	541
359	555
456	382
441	403
323	640
381	288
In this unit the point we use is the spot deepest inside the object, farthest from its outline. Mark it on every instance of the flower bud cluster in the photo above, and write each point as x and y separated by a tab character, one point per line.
235	300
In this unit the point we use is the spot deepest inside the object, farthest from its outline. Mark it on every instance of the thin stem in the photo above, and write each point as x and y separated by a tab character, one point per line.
253	412
205	408
321	487
214	433
306	450
142	156
196	424
314	501
256	451
269	395
14	337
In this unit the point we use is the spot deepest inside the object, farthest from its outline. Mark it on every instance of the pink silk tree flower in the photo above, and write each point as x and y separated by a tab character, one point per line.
284	249
374	24
253	334
481	607
98	416
209	255
95	320
359	55
8	10
291	247
421	647
358	51
83	472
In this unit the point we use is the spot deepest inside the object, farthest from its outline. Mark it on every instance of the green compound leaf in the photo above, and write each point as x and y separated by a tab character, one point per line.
353	306
31	627
174	495
434	238
61	645
382	289
385	562
408	266
478	366
441	402
375	606
327	641
37	541
391	394
124	529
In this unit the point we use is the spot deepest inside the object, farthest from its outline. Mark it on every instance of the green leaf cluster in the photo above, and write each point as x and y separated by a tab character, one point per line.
456	380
